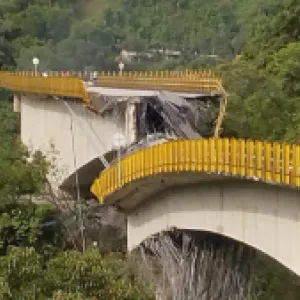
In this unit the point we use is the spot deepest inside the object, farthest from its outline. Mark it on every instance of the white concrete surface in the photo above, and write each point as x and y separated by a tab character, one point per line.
17	103
130	124
264	217
47	121
113	92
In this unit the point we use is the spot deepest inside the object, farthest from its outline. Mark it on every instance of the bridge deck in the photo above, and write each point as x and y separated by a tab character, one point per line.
269	162
272	163
143	83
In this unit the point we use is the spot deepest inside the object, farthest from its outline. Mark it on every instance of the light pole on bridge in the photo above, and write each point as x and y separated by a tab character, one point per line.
121	67
35	62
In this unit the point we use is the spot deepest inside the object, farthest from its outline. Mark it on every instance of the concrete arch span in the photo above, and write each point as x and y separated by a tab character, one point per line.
264	217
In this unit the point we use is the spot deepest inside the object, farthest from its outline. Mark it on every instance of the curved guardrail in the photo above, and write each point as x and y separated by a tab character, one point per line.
52	85
275	163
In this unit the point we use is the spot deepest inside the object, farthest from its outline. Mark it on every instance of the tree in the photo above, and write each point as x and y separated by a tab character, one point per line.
21	274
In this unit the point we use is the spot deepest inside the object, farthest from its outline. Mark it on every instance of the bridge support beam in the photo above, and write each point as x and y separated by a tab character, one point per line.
17	103
264	217
130	120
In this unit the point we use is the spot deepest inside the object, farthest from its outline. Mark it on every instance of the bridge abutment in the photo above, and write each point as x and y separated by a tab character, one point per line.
66	131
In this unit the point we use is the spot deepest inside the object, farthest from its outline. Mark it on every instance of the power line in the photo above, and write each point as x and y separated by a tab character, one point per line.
77	185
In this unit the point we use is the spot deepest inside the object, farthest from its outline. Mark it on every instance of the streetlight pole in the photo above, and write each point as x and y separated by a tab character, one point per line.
35	62
121	67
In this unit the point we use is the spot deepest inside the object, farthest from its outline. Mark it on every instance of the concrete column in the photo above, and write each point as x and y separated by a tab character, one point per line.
17	103
130	121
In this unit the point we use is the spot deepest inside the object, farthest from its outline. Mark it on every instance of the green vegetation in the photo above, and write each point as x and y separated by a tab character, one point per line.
36	262
264	82
70	275
65	36
263	85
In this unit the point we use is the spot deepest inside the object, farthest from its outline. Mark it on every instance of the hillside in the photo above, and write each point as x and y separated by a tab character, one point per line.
91	33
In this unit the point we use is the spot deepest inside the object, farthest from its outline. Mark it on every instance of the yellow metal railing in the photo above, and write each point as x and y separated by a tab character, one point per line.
269	162
179	81
52	85
70	83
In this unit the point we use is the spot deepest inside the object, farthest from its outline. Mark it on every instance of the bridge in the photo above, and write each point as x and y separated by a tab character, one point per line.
72	115
242	189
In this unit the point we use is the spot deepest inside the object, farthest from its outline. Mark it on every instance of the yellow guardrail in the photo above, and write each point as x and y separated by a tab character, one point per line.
265	161
179	81
52	85
70	83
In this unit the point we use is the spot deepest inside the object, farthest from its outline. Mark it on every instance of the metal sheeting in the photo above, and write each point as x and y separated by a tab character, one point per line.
179	117
175	112
178	114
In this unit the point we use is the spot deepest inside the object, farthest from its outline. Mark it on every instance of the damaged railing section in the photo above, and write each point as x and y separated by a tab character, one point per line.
273	163
51	85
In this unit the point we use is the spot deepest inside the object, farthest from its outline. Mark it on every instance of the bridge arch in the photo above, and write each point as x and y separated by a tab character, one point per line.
264	217
246	190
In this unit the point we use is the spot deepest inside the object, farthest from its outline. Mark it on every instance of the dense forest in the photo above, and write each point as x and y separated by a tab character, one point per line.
65	35
38	259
